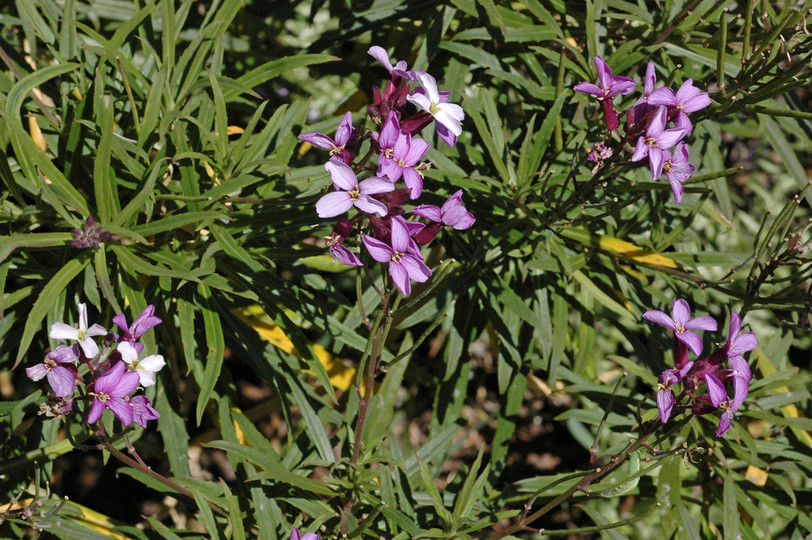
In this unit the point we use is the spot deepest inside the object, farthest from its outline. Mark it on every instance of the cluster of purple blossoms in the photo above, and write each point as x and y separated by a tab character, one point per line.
378	201
115	370
708	371
646	123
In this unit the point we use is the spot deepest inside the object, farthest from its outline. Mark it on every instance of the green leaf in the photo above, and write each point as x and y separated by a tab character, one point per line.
215	350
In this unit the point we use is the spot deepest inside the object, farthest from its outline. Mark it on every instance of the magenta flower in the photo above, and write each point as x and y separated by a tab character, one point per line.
448	116
452	213
341	230
144	322
61	378
687	99
399	69
83	334
296	535
142	410
649	82
682	324
655	143
598	154
356	194
109	392
336	145
718	396
738	343
90	235
677	169
665	395
610	85
404	257
401	161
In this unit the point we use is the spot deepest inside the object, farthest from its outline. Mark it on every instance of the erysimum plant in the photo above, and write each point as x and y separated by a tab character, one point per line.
457	270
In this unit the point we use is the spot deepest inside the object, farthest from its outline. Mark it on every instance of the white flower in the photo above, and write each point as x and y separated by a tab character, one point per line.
83	334
146	367
449	115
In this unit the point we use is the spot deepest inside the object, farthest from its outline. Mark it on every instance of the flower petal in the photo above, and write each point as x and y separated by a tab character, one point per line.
680	311
342	174
36	372
379	251
370	205
724	423
317	139
61	330
122	410
400	234
659	317
665	403
692	340
416	268
401	277
662	96
741	387
96	411
333	204
62	380
375	185
429	212
716	390
705	322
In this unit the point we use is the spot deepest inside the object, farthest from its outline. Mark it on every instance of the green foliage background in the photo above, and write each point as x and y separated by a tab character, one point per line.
134	100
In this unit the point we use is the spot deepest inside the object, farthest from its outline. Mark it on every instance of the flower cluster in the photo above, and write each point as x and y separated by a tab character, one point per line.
709	371
646	123
114	371
377	200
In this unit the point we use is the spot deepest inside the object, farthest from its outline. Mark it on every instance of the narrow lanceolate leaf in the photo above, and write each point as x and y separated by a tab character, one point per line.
616	246
58	283
215	350
32	240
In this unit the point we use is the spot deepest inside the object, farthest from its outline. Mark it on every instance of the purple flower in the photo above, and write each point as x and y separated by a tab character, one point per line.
337	145
655	143
649	81
338	252
90	235
142	410
401	161
109	392
682	324
144	322
404	257
296	535
61	378
718	396
599	153
677	169
452	213
356	194
610	85
687	99
83	334
738	343
399	69
146	367
665	395
448	116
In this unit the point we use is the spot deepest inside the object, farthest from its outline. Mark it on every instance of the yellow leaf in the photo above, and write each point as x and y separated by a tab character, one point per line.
756	476
36	134
340	375
767	368
638	254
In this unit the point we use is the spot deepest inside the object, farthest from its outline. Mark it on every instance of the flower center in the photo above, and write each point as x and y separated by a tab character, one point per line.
355	193
387	152
101	396
679	328
434	108
50	363
82	334
396	256
725	405
651	141
401	163
337	150
667	167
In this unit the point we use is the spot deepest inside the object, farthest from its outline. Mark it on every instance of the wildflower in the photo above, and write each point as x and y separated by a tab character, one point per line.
90	235
61	378
448	116
296	535
677	169
405	154
649	81
83	334
682	324
146	367
336	146
109	392
687	99
738	343
665	395
451	214
599	153
356	194
338	252
399	69
610	86
142	410
144	322
404	257
718	396
655	143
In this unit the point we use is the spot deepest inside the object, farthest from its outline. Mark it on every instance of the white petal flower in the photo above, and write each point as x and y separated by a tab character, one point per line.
146	367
